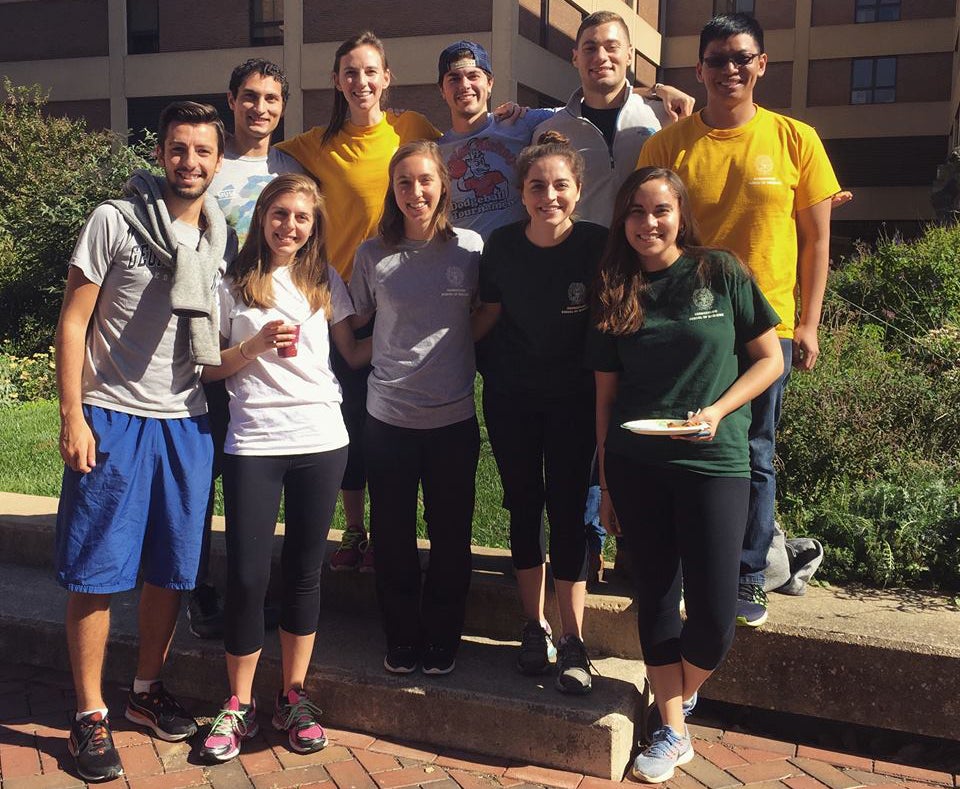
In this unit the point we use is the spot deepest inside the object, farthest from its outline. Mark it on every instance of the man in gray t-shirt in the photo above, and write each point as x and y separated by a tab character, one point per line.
133	425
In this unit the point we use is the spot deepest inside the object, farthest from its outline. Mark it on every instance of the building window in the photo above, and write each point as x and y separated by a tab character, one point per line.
266	22
874	81
143	27
734	7
878	10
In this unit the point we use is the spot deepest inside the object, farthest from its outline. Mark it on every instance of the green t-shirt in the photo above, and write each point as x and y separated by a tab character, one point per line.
688	352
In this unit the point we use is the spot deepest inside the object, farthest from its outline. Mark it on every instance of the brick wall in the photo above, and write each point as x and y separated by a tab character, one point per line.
337	21
48	29
922	77
211	24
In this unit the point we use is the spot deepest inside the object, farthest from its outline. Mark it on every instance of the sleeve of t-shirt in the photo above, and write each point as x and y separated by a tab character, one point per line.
533	118
601	352
285	163
99	241
817	178
339	297
226	304
416	127
492	251
752	313
361	288
654	152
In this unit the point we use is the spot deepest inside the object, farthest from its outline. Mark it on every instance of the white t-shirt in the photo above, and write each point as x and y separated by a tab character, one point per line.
285	406
137	351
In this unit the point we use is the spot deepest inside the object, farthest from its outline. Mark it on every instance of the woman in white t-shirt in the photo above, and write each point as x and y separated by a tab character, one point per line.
280	305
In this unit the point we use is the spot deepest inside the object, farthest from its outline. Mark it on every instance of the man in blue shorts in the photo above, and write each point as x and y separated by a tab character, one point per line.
138	319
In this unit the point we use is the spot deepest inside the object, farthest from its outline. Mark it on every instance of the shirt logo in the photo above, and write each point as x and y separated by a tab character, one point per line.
455	279
703	301
577	296
763	172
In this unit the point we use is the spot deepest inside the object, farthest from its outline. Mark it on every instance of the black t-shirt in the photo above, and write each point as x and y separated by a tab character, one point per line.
605	120
537	347
688	352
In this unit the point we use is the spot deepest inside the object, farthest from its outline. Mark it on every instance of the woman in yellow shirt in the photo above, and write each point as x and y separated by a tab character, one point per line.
350	158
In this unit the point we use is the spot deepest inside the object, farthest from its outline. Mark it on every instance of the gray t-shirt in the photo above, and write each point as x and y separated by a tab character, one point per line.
137	351
423	362
241	180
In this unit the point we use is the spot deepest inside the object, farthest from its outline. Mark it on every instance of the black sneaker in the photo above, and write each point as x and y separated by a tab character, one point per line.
91	745
160	712
751	605
437	660
401	660
573	666
204	612
537	652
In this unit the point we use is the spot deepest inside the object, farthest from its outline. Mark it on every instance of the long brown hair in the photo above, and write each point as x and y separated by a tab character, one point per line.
391	223
341	108
621	282
250	271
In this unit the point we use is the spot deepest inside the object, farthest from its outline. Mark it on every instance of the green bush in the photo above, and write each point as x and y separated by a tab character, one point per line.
869	442
26	379
909	287
53	171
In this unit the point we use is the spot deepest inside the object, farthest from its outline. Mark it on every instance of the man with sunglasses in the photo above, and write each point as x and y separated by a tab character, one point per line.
760	184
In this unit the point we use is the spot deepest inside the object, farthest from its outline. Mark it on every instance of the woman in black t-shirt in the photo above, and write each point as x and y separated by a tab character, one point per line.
675	324
538	396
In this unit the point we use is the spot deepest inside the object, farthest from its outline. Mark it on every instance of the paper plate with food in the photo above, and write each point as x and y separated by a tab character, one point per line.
666	427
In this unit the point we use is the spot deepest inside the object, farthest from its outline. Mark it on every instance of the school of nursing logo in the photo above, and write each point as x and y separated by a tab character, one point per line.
703	301
763	175
577	296
455	280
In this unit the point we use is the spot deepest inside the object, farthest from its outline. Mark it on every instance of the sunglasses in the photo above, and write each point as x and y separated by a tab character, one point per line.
740	59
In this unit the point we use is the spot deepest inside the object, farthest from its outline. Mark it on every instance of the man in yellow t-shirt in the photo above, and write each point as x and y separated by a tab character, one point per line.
761	185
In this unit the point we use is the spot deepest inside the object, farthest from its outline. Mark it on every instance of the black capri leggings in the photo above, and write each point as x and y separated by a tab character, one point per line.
444	461
675	517
251	492
544	450
353	385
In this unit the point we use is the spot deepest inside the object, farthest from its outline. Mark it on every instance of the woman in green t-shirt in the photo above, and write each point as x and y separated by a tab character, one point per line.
680	333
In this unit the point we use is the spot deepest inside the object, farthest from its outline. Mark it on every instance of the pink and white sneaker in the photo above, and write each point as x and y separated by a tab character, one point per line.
297	716
231	727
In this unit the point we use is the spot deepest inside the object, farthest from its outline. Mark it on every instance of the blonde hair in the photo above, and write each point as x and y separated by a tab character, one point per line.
250	271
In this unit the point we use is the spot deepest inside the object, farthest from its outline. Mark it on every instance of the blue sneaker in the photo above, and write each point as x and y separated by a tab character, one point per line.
667	750
655	722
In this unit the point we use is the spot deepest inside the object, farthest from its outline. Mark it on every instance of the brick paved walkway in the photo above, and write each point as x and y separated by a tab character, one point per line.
35	705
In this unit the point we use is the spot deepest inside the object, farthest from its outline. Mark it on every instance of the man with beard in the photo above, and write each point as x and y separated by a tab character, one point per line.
138	320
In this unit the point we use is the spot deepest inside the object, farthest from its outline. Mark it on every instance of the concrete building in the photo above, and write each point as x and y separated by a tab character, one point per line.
117	62
878	78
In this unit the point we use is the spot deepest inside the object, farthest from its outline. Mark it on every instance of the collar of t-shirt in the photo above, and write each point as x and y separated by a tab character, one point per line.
605	120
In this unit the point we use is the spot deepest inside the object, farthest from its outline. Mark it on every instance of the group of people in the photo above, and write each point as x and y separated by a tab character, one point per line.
577	249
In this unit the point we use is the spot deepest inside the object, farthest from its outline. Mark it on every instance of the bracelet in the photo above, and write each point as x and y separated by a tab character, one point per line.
240	348
655	90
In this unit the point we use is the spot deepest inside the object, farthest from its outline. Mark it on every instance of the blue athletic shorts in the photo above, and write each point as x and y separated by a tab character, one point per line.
146	497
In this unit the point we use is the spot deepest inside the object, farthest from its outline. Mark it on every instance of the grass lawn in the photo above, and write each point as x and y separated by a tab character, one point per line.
30	463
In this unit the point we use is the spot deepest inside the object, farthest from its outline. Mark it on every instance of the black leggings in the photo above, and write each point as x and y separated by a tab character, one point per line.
673	517
544	450
444	461
251	491
353	385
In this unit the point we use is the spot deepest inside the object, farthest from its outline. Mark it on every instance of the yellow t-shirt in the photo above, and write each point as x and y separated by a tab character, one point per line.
746	186
352	170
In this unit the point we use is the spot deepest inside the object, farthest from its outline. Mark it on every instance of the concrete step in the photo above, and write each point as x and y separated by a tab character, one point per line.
27	525
886	658
484	706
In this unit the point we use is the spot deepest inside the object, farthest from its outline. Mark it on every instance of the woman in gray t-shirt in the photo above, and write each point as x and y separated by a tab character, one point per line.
420	277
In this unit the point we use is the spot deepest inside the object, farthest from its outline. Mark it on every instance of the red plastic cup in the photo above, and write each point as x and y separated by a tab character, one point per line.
289	351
